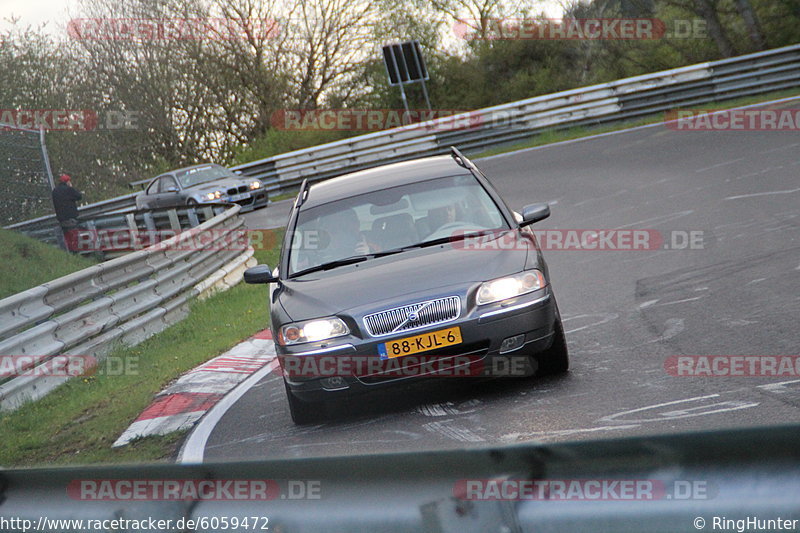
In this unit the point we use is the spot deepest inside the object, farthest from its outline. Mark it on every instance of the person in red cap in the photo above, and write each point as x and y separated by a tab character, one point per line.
65	202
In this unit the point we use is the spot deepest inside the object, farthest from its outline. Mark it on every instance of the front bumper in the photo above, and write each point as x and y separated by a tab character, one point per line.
528	320
257	198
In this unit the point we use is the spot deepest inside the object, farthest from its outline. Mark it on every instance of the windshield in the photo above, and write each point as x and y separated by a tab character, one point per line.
196	176
390	219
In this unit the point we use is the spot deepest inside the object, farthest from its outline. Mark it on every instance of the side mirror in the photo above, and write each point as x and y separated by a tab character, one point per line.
259	274
172	189
534	213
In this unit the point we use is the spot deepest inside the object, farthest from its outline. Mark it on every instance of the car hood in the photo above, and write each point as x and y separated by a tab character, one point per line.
398	279
220	184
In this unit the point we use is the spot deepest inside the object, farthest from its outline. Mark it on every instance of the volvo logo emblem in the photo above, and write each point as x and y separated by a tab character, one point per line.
413	316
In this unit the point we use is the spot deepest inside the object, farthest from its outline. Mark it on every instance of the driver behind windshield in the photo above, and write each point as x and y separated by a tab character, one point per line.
438	217
345	238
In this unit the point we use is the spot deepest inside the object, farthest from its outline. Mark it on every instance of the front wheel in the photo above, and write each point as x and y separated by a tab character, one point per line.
555	359
300	411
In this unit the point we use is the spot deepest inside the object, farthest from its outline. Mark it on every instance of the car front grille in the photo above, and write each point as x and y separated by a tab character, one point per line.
427	313
234	190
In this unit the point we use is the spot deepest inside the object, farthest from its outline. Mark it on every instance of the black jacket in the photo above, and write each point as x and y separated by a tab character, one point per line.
65	201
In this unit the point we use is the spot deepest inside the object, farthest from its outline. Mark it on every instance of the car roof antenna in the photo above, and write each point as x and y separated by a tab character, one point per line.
302	195
459	158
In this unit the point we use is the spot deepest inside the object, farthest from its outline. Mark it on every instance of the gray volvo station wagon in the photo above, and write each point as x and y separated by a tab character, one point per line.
409	270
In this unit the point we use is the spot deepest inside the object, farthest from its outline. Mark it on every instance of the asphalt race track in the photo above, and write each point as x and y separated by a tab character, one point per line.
625	312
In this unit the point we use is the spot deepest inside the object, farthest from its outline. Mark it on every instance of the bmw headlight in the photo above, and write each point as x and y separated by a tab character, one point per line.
255	185
508	287
315	330
216	195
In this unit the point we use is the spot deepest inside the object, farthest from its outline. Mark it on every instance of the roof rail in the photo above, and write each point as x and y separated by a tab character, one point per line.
459	158
302	195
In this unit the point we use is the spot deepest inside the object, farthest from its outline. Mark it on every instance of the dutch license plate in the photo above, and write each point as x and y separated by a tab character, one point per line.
420	343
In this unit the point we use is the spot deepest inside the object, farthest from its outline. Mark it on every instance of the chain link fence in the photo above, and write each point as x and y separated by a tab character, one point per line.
25	177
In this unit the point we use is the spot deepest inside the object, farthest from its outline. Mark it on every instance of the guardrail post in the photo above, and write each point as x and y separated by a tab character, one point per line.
149	223
174	222
192	214
132	227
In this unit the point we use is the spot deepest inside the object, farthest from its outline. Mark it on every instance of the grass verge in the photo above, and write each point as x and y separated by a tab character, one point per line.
28	262
554	136
78	422
284	196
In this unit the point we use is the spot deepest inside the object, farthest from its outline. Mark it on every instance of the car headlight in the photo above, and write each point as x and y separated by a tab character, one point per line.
315	330
510	286
255	185
216	195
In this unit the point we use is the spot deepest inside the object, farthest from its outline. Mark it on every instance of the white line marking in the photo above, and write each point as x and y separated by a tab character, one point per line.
661	218
513	437
604	317
682	413
193	449
779	388
682	301
769	193
619	192
635	128
780	148
732	161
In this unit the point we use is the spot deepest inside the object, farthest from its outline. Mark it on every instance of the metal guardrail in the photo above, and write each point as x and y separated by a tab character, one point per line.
124	300
85	212
622	99
733	474
628	98
129	219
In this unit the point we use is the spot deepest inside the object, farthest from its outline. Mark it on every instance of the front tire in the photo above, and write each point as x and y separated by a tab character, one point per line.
300	411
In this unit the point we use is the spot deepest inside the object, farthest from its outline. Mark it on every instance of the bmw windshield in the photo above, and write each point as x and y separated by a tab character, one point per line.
392	219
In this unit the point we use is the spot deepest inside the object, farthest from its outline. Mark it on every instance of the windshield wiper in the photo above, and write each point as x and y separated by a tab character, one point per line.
333	264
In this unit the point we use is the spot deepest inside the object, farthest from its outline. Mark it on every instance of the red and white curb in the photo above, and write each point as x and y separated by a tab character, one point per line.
183	403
